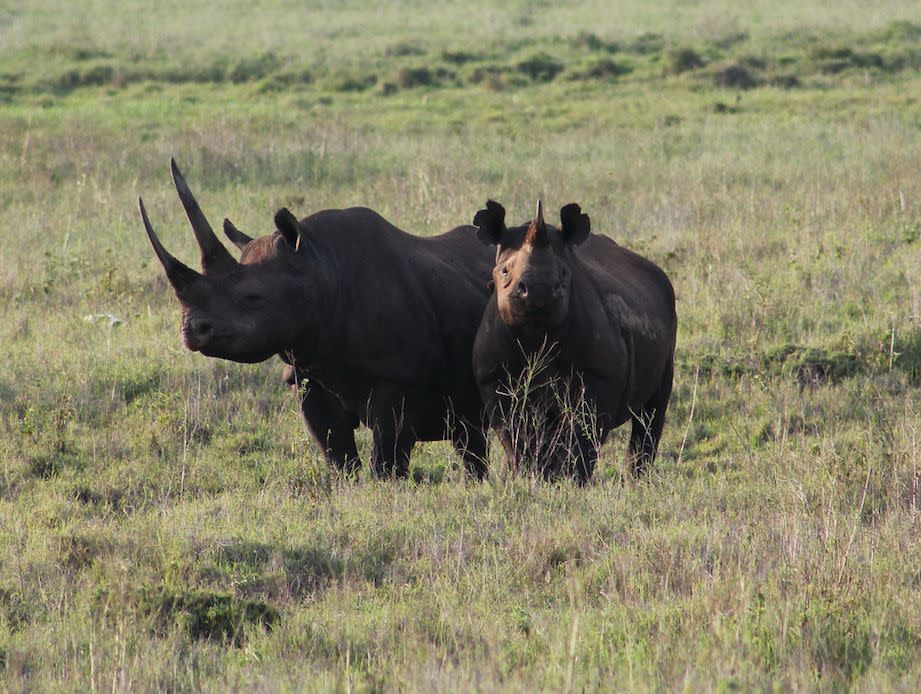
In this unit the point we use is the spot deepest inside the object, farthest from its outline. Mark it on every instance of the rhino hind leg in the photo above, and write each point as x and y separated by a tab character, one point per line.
332	427
470	444
393	447
584	458
648	424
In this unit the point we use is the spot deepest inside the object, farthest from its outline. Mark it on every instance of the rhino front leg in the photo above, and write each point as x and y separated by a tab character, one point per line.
393	424
497	409
331	425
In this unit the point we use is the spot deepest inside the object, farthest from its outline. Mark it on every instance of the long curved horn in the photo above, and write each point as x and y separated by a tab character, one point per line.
537	233
177	273
214	257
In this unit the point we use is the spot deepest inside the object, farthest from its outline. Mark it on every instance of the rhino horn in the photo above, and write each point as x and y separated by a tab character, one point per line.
177	273
537	233
237	237
214	257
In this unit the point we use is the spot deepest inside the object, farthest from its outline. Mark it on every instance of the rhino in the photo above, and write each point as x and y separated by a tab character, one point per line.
379	322
577	339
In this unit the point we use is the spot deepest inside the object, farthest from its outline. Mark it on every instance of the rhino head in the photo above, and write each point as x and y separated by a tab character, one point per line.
242	311
532	275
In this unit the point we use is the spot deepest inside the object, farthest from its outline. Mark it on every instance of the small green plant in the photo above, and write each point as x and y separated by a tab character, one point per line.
205	615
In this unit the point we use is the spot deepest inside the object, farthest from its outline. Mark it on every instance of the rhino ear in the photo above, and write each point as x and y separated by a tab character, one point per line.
287	226
491	223
575	225
237	237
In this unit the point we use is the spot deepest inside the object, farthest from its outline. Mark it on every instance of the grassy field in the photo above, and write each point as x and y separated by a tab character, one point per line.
167	525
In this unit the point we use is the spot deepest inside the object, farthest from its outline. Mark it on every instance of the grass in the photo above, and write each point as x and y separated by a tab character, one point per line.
169	526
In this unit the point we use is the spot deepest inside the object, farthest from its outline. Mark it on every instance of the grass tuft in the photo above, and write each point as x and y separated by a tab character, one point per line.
203	614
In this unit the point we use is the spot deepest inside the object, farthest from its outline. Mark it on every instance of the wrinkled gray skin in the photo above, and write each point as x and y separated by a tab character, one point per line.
603	319
380	322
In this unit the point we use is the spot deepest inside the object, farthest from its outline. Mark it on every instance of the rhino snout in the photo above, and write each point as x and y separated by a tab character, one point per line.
535	294
197	333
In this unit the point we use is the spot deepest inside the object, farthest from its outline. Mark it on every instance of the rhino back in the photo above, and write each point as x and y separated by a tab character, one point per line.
405	308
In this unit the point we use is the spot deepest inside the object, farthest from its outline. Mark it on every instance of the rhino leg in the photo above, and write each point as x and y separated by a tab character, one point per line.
393	432
392	448
584	457
332	427
508	445
470	444
576	458
648	424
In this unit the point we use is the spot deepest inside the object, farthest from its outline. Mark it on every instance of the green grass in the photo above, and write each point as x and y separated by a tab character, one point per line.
168	525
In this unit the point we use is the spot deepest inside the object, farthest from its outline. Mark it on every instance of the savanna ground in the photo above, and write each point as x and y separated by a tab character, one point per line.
166	523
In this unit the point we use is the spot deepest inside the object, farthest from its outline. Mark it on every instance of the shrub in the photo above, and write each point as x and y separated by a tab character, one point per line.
735	76
678	60
205	615
409	77
645	44
459	57
602	69
540	67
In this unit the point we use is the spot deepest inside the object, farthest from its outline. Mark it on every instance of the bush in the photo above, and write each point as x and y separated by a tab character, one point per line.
602	69
409	77
735	76
540	68
496	77
680	60
205	615
832	58
645	44
459	57
353	83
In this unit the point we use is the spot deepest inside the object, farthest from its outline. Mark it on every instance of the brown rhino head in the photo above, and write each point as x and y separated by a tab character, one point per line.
232	310
532	275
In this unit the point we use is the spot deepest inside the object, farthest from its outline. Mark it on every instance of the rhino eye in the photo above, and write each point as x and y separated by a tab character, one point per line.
503	270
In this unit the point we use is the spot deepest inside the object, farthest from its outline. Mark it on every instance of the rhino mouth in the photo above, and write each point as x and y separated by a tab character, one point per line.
195	344
537	313
212	346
